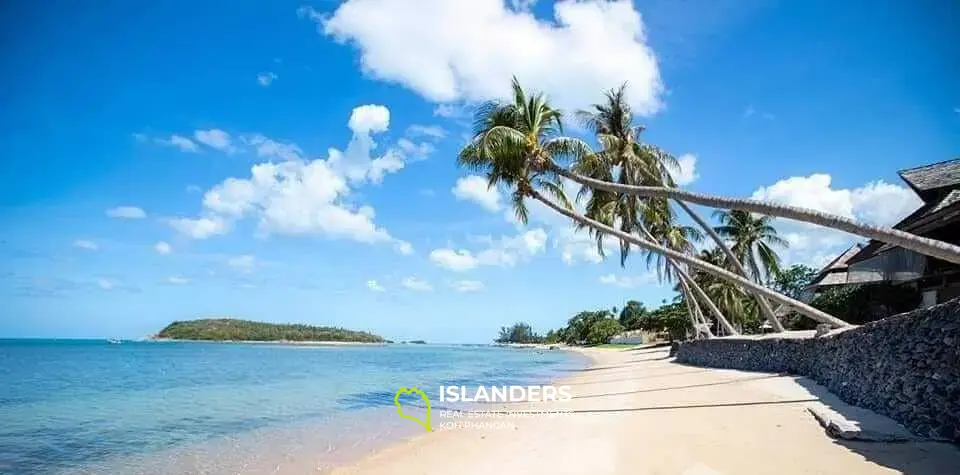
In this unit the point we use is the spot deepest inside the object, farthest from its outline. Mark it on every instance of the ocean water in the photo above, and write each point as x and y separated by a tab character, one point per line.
84	406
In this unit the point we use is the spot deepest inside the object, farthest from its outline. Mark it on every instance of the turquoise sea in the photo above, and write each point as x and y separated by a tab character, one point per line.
86	406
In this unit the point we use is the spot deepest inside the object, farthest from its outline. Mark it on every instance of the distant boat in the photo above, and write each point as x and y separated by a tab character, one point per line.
114	341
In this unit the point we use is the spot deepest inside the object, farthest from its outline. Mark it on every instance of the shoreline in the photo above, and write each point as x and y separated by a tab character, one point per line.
637	411
271	342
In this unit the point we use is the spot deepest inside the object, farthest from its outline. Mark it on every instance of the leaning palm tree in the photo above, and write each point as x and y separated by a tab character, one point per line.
754	239
919	244
518	146
637	163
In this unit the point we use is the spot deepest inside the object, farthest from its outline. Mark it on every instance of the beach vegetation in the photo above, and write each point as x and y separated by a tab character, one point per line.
229	329
520	332
518	144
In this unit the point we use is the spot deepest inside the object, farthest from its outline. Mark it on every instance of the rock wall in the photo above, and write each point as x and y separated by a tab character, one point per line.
906	367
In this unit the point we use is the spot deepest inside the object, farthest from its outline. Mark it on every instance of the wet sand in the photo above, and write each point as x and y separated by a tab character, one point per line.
637	412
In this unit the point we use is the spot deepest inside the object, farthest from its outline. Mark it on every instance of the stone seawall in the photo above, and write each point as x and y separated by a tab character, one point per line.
906	367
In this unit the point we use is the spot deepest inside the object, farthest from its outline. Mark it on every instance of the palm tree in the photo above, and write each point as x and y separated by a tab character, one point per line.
754	238
922	245
638	163
518	146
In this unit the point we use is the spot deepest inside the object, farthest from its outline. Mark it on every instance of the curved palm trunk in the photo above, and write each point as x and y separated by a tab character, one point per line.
926	246
764	305
694	313
697	291
811	312
694	317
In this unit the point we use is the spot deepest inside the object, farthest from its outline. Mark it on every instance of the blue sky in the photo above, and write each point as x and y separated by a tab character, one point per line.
290	161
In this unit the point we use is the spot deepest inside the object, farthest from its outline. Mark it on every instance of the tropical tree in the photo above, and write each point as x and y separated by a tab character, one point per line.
518	146
922	245
632	314
638	163
754	239
625	159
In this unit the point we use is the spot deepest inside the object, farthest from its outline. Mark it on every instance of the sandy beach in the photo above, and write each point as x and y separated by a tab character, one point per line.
637	412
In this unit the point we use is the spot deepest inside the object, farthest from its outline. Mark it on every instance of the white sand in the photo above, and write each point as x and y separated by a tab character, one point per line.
644	414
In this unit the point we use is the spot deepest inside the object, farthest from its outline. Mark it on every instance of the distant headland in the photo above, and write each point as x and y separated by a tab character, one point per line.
229	329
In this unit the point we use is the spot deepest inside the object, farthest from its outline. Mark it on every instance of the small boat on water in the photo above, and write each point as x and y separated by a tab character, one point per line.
114	341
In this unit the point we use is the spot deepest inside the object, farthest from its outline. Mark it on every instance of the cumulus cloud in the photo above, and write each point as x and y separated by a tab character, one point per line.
163	248
375	286
200	228
177	280
467	50
467	286
474	188
417	285
687	172
266	78
106	284
369	118
293	195
418	150
85	244
877	202
506	251
215	139
126	212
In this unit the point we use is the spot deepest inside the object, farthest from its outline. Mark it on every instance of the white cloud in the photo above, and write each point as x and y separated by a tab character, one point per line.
507	251
294	195
178	141
163	248
126	212
106	284
432	131
628	282
403	247
245	263
687	173
200	228
375	286
474	188
216	139
467	286
370	118
451	111
878	203
416	150
356	163
418	285
85	244
176	280
455	260
468	50
266	78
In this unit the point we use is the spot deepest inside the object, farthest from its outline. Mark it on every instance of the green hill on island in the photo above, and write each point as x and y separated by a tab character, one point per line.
245	330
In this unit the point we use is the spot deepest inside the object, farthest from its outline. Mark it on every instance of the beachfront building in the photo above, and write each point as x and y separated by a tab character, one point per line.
927	280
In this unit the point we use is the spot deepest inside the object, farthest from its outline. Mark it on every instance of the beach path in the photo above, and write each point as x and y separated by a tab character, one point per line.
637	412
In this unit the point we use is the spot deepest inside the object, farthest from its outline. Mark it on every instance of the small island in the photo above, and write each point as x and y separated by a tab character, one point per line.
229	329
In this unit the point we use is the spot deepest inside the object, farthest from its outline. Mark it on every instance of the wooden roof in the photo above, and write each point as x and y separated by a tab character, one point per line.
933	176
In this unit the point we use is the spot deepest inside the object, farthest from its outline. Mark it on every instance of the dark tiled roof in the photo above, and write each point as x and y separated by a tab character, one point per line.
916	222
933	176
